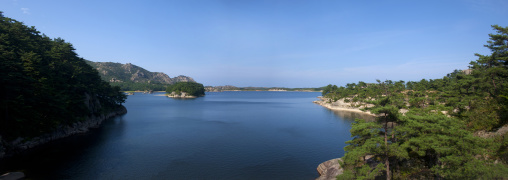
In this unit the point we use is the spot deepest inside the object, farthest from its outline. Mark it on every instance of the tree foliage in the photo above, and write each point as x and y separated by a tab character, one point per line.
44	82
192	88
434	138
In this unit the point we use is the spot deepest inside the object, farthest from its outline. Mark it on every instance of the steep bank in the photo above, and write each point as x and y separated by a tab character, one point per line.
9	148
340	105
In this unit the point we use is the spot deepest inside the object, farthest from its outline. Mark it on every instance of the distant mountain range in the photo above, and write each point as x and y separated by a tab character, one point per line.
129	76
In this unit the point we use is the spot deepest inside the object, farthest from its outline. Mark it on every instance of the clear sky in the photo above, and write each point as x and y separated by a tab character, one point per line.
273	43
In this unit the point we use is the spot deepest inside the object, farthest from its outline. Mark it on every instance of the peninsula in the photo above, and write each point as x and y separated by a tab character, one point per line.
449	128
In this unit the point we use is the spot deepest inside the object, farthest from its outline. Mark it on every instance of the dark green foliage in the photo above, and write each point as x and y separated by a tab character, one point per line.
192	88
367	141
132	86
440	145
44	82
434	139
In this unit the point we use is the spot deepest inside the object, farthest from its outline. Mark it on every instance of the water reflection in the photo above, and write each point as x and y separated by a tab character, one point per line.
56	155
229	135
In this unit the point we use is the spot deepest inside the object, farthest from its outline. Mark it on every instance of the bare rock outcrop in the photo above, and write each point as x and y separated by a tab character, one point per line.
498	132
341	105
182	78
130	73
329	169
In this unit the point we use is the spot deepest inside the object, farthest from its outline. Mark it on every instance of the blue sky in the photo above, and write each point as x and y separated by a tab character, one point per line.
273	43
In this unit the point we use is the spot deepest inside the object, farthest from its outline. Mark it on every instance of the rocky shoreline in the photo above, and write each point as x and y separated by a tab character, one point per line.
330	169
183	95
10	148
340	105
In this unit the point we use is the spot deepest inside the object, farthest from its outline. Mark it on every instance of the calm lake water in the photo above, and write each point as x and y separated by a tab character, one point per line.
226	135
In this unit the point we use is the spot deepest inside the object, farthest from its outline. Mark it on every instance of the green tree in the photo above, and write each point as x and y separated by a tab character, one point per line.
192	88
366	143
443	146
46	78
434	139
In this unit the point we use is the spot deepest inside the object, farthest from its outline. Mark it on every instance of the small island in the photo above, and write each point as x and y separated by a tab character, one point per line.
185	90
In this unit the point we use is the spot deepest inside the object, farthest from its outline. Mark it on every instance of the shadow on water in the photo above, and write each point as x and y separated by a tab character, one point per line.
51	157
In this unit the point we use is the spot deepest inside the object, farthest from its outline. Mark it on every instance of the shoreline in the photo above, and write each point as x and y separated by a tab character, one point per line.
21	144
181	97
322	102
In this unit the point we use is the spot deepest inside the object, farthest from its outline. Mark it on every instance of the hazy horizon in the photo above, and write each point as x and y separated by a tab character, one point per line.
290	44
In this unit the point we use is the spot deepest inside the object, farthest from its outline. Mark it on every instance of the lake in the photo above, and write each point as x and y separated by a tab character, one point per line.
224	135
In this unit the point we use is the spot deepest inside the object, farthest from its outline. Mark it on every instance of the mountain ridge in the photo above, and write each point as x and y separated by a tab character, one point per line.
118	72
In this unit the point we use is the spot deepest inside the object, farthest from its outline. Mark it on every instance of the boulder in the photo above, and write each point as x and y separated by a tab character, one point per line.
329	169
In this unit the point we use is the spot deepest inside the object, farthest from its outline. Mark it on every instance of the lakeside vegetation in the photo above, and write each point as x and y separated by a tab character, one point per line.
45	84
426	129
191	88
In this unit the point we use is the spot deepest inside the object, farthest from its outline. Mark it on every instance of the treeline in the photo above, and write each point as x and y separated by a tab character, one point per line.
191	88
45	84
137	86
425	129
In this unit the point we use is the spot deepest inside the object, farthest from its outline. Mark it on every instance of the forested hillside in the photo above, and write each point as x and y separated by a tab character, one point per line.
45	85
430	129
130	77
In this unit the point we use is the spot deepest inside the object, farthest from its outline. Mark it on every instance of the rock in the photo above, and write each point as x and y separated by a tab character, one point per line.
12	176
329	169
340	105
403	111
181	95
489	134
130	73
